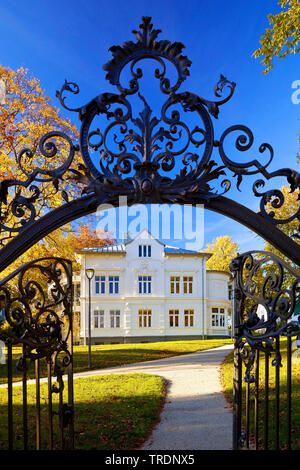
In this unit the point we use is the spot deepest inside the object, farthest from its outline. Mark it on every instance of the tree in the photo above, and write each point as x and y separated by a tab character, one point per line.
91	238
283	38
223	250
64	244
26	115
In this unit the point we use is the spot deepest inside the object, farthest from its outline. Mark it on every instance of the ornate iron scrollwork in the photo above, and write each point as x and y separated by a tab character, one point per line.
148	157
266	292
18	209
36	302
153	156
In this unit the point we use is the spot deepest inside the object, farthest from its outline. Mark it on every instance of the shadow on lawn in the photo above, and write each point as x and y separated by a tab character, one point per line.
111	412
120	424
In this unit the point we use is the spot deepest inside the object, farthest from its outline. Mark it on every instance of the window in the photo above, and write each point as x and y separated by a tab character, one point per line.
222	317
145	318
114	318
230	291
98	318
100	284
173	318
76	294
218	317
187	285
175	284
113	284
189	318
144	284
144	251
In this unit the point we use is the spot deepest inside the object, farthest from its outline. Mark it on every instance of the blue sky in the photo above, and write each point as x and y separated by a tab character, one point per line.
58	40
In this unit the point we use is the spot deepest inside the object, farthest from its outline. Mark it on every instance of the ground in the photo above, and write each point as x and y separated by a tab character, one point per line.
123	409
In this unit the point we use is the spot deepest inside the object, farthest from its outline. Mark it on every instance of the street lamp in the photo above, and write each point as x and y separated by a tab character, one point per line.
89	274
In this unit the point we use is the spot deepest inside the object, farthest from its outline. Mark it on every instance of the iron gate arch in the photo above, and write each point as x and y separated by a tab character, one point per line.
151	159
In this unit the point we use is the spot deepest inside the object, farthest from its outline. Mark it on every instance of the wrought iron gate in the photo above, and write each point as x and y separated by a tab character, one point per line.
36	303
151	158
266	291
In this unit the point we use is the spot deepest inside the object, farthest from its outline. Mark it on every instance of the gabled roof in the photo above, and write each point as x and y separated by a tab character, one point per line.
139	236
121	248
175	249
105	249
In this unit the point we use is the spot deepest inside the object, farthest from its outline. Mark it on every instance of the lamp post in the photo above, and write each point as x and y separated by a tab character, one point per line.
89	274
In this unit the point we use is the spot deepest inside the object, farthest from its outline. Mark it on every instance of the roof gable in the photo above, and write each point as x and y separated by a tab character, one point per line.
143	236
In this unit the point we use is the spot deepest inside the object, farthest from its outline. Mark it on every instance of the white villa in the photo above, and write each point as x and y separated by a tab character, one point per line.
145	291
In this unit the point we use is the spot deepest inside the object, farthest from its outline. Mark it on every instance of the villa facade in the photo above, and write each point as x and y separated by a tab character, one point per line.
145	291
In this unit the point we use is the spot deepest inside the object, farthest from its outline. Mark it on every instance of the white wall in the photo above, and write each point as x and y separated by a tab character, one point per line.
217	287
208	290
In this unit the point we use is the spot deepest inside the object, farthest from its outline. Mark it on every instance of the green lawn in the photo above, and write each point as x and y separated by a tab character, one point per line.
112	412
120	354
227	379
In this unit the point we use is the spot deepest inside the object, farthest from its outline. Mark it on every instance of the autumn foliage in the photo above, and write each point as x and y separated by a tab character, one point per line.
283	36
26	115
223	251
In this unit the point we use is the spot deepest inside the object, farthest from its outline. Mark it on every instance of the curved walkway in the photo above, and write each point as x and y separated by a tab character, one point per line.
196	415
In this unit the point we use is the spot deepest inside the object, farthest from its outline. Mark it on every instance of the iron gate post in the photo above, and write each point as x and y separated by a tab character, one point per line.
237	377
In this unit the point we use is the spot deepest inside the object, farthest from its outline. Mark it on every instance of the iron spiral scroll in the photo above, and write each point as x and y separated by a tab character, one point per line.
148	157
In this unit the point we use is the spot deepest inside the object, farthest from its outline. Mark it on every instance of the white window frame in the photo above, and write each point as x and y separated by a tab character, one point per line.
99	319
174	318
189	315
218	317
100	282
145	318
174	285
187	284
114	281
145	251
115	318
144	284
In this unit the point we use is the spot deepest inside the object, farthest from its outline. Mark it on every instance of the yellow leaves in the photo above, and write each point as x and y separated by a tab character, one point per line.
88	237
289	207
283	37
223	250
26	116
62	243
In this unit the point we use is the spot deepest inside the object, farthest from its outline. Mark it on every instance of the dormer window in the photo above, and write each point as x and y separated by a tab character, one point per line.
144	251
